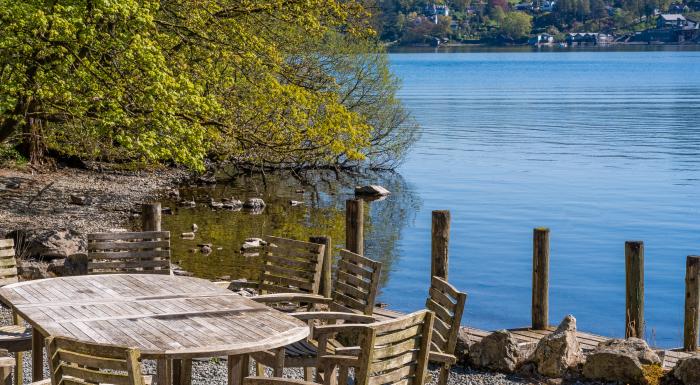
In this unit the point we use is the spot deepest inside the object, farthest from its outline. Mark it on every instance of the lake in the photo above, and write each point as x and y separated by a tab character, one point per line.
599	146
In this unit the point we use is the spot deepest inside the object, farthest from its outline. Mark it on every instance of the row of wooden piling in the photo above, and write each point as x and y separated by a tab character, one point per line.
440	238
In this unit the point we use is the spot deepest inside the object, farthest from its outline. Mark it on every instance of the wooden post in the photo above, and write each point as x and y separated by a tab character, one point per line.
634	299
326	269
540	278
150	215
439	245
691	327
354	226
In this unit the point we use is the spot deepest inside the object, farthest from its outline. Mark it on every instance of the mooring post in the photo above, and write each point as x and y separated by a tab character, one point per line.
634	299
691	327
327	264
540	278
440	244
354	226
150	216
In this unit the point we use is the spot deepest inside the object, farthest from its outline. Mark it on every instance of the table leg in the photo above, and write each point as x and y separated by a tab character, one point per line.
182	372
235	370
37	356
164	372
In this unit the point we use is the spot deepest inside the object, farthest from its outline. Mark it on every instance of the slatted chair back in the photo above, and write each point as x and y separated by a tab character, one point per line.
356	283
396	351
78	363
448	304
145	252
8	263
290	266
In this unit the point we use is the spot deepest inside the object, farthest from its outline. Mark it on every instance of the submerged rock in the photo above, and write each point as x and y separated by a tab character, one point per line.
559	351
254	204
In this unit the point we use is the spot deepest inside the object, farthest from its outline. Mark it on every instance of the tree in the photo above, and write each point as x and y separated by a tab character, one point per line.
177	81
516	25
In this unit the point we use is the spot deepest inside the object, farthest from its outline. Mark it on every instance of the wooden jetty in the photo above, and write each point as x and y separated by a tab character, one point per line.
634	298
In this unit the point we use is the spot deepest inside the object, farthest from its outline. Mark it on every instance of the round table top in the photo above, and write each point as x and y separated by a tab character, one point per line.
163	316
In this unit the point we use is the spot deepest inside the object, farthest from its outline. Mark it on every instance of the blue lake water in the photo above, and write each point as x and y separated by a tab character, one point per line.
601	147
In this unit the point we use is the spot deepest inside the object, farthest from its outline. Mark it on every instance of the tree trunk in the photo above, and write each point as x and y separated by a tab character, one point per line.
33	146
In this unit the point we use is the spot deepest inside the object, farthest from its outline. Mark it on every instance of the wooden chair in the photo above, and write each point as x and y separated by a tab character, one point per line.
145	252
78	363
392	352
352	300
290	266
7	363
14	338
448	305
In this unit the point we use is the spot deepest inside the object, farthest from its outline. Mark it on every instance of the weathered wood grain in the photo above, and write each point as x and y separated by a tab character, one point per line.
634	289
145	252
540	278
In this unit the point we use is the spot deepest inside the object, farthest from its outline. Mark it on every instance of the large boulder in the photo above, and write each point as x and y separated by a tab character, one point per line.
560	351
498	351
49	244
687	370
620	360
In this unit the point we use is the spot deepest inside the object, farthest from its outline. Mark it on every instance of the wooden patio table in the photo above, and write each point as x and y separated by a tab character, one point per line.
170	319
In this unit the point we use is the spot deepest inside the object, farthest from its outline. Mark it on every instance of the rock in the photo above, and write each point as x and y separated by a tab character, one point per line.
14	185
254	204
75	264
48	244
215	205
252	243
559	351
205	249
371	190
497	351
299	191
189	204
195	227
80	200
233	204
295	203
29	270
620	360
462	347
166	211
206	179
174	194
187	235
687	370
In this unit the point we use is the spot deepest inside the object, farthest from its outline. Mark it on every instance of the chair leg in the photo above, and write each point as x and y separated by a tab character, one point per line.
259	369
343	376
308	374
330	373
444	375
19	368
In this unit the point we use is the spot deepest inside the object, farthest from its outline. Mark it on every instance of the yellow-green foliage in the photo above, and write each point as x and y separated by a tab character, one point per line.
175	81
652	374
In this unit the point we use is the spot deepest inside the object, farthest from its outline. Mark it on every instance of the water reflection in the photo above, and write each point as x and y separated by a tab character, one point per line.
322	213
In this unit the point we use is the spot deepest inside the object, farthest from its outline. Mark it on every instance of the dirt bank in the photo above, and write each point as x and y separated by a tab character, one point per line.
32	201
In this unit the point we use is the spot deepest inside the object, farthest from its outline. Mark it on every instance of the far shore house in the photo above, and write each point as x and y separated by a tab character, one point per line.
674	27
588	38
433	11
541	39
674	20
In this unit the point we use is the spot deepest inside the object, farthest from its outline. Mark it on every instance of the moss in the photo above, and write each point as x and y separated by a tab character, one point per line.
653	374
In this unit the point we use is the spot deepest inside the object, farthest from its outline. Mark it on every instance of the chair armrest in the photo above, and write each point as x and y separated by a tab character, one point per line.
348	350
292	297
442	358
274	381
318	332
340	360
333	315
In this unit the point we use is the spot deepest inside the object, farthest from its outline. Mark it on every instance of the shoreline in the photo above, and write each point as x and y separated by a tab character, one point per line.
48	201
